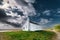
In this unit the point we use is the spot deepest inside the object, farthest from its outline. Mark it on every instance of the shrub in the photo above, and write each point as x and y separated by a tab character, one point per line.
57	28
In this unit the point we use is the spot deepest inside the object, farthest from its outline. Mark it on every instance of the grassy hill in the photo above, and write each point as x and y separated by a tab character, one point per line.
29	35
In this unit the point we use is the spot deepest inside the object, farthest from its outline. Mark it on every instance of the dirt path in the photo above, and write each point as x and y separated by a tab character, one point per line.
58	35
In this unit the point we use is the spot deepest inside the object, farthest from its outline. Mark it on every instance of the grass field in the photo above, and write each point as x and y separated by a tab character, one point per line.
29	35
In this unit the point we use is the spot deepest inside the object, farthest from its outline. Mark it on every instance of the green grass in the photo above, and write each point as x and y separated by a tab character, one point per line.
23	35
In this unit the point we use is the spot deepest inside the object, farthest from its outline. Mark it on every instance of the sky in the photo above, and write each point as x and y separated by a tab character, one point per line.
47	12
16	13
31	14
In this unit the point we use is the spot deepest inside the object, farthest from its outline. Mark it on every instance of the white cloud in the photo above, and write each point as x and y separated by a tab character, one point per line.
46	12
58	10
27	8
34	27
44	21
4	6
31	27
7	26
30	1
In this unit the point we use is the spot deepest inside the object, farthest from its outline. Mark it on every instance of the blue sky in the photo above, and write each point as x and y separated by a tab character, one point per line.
48	10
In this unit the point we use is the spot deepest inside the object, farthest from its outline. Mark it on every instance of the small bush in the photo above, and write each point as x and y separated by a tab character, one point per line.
57	28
